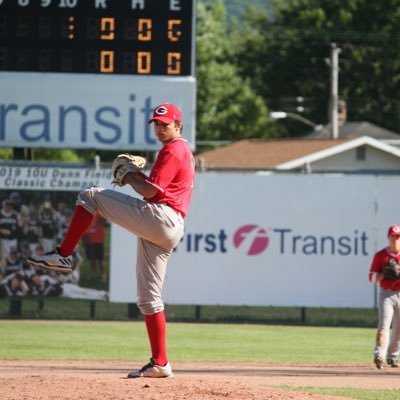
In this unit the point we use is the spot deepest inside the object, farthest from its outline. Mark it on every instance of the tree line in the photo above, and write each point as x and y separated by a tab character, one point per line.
279	59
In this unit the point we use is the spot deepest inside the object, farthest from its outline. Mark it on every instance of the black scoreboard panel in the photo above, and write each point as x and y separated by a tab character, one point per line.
132	37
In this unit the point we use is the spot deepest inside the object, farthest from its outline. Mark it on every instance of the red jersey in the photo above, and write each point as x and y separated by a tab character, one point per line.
173	175
379	261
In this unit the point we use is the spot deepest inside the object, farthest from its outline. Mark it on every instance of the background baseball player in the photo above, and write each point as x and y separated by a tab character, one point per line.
157	220
385	269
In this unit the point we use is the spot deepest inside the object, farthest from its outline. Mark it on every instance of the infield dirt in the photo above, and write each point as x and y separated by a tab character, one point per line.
84	380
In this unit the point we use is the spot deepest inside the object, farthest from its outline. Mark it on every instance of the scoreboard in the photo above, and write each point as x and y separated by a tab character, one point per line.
148	37
87	73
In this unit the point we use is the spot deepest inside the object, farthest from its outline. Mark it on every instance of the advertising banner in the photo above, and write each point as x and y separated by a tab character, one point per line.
92	111
276	240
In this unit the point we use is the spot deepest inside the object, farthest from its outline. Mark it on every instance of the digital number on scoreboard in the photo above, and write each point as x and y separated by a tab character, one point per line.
129	37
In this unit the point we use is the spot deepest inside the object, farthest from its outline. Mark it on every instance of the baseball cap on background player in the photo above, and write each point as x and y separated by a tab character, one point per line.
394	230
15	196
167	113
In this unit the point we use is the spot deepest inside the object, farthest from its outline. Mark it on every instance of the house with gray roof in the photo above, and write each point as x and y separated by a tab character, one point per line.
345	154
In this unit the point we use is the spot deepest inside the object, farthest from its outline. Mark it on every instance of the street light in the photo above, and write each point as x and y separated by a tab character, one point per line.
283	114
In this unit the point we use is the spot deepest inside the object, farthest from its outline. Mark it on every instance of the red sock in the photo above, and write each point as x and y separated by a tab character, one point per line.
157	330
80	222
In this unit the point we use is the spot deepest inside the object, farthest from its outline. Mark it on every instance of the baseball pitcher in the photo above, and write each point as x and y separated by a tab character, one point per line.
157	220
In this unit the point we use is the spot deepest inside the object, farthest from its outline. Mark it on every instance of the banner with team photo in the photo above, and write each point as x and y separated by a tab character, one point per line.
36	204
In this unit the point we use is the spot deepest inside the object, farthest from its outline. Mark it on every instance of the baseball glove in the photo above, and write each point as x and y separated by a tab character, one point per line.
391	270
125	163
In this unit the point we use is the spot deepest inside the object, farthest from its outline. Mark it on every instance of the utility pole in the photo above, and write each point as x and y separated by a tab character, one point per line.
334	103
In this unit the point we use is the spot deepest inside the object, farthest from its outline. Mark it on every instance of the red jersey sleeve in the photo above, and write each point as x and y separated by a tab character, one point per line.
377	264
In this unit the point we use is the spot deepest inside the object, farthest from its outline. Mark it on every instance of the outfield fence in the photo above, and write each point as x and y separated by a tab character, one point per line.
67	309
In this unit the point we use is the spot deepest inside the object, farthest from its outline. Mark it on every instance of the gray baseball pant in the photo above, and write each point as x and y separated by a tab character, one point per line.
389	314
158	227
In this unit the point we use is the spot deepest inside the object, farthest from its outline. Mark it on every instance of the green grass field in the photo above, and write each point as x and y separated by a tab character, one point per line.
203	342
94	340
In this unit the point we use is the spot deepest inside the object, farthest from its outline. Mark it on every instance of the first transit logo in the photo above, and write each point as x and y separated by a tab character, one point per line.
252	237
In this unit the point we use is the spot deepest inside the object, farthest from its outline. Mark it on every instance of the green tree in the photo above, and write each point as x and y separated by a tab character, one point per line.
40	154
288	56
236	8
227	107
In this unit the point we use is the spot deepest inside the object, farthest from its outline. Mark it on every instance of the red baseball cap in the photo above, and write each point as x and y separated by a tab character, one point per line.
166	113
394	230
